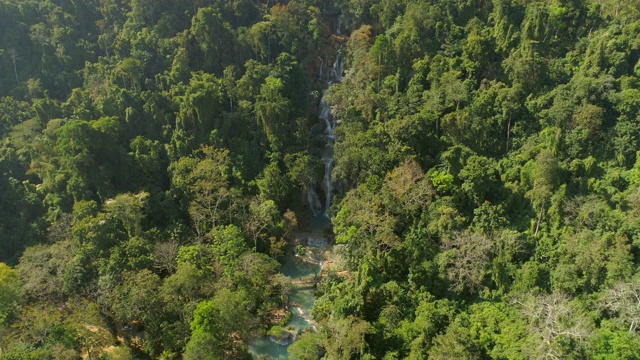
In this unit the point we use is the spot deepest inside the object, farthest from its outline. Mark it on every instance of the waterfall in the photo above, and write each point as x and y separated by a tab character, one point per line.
337	69
312	197
328	162
325	109
313	201
330	74
308	263
330	122
317	243
327	158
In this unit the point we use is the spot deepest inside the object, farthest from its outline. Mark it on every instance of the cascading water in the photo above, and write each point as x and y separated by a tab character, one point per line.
330	122
301	299
316	242
309	265
338	68
314	202
328	162
325	110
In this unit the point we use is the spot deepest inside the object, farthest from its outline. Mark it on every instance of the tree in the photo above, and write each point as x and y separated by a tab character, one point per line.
274	185
128	208
455	343
130	69
41	268
105	39
200	105
410	186
467	257
165	255
609	342
150	157
497	329
10	292
272	109
182	290
479	179
222	321
526	66
542	177
13	55
90	157
13	112
623	299
137	298
308	346
367	224
203	346
303	169
263	215
90	330
37	322
204	183
557	326
228	245
136	253
379	51
215	38
348	338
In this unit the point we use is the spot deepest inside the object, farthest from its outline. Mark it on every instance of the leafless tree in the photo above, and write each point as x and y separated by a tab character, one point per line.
468	260
165	255
552	318
624	300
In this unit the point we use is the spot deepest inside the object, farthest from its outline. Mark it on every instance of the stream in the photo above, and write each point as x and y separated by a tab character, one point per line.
308	265
302	296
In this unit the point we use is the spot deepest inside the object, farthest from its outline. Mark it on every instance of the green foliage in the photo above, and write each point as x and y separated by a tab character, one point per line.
306	347
136	299
271	109
530	188
610	343
11	290
442	181
203	182
203	345
219	320
128	208
484	178
274	185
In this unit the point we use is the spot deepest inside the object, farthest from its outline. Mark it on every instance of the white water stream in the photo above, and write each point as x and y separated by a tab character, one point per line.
301	299
335	75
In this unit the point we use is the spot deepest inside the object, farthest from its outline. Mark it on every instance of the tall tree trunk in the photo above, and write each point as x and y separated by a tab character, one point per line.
539	219
15	71
508	134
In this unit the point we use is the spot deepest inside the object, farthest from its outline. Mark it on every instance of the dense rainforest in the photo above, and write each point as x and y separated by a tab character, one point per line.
156	158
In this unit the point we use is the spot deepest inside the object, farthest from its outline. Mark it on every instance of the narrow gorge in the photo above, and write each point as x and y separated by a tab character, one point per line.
304	267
